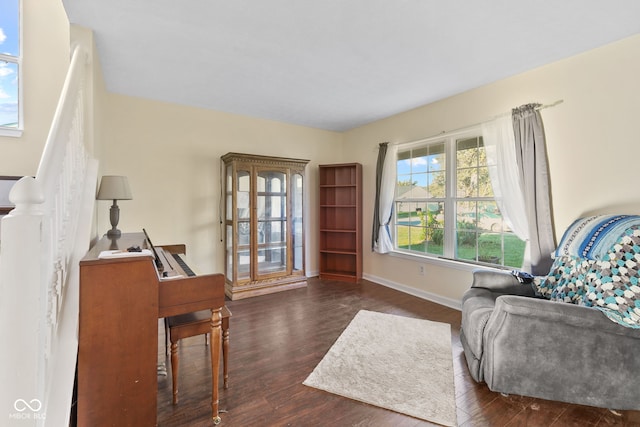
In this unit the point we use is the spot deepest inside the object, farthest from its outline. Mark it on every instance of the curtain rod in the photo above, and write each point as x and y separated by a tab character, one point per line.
540	107
508	113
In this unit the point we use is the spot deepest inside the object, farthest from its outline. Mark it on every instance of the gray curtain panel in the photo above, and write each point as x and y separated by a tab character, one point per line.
382	153
531	154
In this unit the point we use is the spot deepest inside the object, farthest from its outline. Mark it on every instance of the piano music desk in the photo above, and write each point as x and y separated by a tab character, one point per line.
120	302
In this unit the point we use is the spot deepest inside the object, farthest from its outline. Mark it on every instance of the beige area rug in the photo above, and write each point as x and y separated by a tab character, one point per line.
394	362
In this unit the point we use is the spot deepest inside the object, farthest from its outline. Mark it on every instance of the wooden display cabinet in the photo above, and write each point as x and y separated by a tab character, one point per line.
341	222
264	224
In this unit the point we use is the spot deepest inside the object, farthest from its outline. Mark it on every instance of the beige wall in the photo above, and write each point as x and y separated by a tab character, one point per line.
592	143
171	155
45	47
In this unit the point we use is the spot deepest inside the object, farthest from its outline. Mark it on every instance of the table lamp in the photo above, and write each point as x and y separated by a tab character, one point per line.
114	188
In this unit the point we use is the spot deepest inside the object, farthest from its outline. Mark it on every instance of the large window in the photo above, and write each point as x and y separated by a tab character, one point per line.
444	203
10	61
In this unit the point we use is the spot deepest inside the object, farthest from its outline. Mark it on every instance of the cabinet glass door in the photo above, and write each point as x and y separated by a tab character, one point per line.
296	218
243	215
228	221
271	203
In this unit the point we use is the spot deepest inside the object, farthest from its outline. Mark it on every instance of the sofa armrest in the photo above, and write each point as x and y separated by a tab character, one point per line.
501	282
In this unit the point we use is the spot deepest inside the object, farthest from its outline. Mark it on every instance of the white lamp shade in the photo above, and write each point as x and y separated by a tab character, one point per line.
114	187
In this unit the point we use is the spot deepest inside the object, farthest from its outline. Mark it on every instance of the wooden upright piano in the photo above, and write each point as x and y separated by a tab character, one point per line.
122	296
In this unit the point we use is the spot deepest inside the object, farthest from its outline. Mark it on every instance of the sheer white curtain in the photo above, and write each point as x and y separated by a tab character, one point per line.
384	243
500	145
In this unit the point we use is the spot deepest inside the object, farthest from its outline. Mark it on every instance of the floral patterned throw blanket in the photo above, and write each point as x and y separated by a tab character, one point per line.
597	264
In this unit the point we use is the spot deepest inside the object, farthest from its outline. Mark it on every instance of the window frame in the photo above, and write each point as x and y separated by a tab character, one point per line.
16	131
448	258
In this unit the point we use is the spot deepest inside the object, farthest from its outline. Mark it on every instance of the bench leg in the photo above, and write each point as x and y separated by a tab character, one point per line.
225	352
174	370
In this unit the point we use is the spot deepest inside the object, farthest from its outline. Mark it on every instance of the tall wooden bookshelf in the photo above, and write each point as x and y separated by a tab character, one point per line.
341	222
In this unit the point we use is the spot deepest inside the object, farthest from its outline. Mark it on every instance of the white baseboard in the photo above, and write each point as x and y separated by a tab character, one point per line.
438	299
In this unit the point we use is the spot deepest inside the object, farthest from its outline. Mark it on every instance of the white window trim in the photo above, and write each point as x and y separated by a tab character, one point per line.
449	242
17	132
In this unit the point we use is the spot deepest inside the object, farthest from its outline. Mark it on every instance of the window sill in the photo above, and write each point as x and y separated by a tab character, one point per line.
446	262
15	133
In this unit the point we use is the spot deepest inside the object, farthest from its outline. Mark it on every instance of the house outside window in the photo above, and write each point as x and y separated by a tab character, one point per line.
11	120
445	206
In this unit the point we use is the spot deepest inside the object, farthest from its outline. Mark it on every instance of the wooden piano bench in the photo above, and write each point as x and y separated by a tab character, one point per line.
190	325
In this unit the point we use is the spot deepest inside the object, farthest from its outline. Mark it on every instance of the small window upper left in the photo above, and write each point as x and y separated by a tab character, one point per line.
11	120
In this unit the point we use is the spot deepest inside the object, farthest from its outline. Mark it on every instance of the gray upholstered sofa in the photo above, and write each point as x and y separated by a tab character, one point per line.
572	336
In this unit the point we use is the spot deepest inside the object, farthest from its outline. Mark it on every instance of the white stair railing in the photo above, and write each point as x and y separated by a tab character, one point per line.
43	240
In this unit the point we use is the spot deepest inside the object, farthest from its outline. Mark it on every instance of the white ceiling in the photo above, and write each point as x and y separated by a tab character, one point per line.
335	64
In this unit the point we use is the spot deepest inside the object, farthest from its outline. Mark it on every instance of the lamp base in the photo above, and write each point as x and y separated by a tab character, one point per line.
114	217
114	233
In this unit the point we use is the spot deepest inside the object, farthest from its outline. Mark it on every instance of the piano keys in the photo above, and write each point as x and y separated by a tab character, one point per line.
121	299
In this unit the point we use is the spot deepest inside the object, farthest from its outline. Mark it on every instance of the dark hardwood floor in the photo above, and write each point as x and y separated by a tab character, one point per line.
277	340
